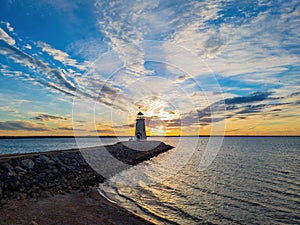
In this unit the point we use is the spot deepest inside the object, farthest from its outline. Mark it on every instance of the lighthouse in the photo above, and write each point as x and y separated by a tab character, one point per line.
140	129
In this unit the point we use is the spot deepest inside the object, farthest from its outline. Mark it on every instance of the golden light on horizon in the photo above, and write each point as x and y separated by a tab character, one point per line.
158	131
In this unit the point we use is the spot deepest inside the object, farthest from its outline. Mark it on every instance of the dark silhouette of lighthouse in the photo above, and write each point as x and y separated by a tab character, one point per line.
140	129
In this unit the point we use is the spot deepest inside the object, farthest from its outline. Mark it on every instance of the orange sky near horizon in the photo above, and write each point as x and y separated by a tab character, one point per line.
257	126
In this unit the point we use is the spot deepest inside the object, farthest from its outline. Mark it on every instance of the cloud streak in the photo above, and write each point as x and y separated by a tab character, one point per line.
47	117
58	79
22	125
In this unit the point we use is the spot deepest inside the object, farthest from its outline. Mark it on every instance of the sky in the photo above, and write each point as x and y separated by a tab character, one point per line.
72	67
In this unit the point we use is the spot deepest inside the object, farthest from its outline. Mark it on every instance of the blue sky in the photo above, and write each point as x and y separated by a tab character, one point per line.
193	67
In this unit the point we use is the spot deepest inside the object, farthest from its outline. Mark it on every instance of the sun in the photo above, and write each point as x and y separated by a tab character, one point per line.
158	131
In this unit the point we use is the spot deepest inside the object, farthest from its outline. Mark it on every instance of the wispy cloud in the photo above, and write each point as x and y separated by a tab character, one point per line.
55	78
62	57
8	109
5	37
47	117
235	107
255	97
22	125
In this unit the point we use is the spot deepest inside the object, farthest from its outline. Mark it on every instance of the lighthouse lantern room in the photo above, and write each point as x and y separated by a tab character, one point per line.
140	129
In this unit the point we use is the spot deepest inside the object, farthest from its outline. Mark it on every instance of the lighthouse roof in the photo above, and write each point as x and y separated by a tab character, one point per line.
140	114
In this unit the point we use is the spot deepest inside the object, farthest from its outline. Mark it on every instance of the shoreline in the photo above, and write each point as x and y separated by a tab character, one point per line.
49	183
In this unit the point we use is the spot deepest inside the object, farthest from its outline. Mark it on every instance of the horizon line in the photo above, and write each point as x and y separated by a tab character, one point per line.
112	136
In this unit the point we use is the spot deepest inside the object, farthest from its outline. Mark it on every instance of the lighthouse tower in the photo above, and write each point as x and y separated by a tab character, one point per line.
140	129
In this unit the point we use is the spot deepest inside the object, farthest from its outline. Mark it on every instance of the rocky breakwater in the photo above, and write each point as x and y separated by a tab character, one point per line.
134	152
59	172
45	175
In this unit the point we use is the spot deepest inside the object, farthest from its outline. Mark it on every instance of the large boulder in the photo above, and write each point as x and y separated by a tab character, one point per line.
45	159
28	163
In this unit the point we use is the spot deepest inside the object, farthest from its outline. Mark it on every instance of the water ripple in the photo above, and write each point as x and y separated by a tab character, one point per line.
252	181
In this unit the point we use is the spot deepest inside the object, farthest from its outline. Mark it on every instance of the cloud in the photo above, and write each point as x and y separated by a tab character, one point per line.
124	126
234	39
126	26
294	94
58	80
61	56
250	109
5	37
9	27
22	125
47	117
66	128
257	96
8	109
36	65
228	108
248	48
89	48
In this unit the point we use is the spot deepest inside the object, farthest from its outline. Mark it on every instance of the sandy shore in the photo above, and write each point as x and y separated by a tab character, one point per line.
59	187
70	208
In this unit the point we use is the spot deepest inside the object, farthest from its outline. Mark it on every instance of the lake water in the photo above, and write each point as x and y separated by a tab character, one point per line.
29	145
253	180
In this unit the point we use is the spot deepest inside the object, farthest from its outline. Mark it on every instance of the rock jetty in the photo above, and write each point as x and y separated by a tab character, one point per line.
45	175
59	172
129	152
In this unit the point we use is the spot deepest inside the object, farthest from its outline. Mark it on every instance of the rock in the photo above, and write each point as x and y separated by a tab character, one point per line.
57	160
65	160
19	169
43	158
3	201
63	169
73	162
6	165
45	194
34	195
28	163
33	223
51	162
49	173
22	196
12	173
15	185
55	172
46	159
41	176
22	174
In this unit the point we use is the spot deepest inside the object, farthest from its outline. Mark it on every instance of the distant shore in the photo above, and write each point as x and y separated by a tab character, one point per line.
60	187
